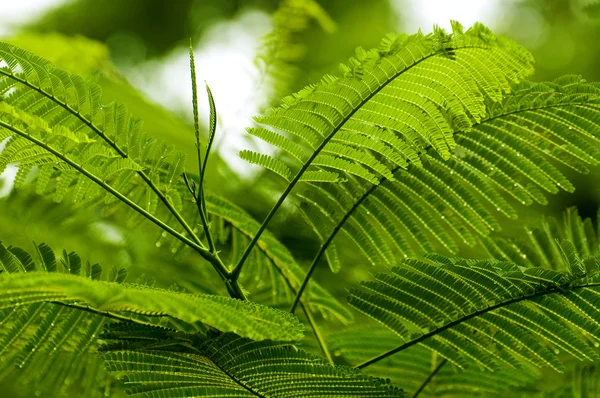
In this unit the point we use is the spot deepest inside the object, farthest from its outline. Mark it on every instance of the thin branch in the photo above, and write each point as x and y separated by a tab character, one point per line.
232	286
431	376
113	145
317	333
326	244
306	310
558	289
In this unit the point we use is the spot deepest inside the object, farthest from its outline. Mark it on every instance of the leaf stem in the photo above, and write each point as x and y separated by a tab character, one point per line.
317	333
326	244
431	376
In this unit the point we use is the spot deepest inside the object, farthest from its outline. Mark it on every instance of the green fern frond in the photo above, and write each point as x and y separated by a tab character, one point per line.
230	366
445	204
489	313
44	344
417	87
554	244
245	318
57	122
412	367
380	89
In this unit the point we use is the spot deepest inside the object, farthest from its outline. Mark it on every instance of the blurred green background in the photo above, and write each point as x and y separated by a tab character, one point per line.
251	53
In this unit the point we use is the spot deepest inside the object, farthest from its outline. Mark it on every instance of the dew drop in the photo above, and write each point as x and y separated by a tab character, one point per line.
524	255
451	172
570	128
158	244
497	209
443	217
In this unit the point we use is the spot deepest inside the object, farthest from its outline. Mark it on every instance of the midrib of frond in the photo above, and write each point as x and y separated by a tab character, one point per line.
338	227
325	141
236	380
549	291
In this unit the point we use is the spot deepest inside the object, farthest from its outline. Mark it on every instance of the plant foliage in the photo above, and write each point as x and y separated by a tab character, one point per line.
420	150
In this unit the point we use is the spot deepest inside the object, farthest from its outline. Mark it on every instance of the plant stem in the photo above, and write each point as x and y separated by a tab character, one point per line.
317	333
431	376
106	314
326	244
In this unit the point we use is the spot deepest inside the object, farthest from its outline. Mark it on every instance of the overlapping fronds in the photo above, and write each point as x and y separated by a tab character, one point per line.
514	151
45	346
541	246
271	264
408	93
411	368
81	149
391	105
225	314
490	313
229	366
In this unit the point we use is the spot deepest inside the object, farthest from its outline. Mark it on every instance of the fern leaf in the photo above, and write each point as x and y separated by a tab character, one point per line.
489	313
405	95
445	205
232	366
564	245
44	344
245	318
266	161
412	367
57	120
